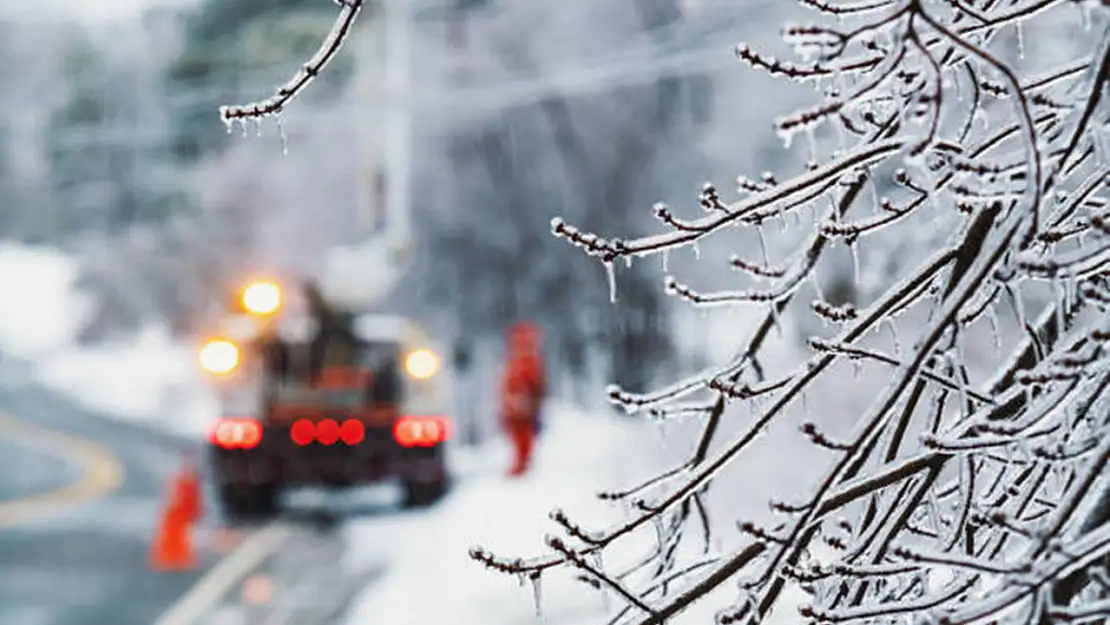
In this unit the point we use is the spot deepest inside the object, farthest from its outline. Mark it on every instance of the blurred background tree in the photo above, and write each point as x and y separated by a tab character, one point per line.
122	160
597	158
234	50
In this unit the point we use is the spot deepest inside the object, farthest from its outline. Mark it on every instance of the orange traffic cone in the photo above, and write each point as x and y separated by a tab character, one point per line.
186	494
173	544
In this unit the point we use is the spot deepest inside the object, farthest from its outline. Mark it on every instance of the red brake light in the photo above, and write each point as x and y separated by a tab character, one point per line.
327	432
303	432
352	432
421	431
237	433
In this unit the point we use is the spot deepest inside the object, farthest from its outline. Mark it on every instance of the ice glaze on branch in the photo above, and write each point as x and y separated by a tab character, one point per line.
610	249
300	81
946	484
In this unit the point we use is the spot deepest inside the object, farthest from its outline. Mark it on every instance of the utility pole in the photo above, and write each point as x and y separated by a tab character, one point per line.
363	271
370	52
385	126
398	20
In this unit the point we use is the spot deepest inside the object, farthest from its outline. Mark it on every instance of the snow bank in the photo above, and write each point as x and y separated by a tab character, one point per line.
43	311
148	377
432	579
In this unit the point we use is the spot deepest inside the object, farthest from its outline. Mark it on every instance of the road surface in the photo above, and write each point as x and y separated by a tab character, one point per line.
79	499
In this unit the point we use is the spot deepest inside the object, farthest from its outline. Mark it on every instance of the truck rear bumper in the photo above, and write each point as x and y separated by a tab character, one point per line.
245	467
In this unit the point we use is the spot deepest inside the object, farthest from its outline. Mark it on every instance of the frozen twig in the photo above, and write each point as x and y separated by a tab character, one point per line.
275	104
940	477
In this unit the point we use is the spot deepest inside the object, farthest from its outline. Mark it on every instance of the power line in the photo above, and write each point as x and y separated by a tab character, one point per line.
604	71
633	58
484	97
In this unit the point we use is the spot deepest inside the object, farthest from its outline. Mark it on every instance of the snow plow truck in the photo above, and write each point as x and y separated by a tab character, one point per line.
315	395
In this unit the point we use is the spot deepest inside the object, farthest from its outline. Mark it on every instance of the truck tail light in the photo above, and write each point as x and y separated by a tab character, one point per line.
236	433
303	432
327	432
421	431
352	432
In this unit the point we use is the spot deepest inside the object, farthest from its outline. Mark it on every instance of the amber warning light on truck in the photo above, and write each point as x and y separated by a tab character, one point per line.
219	356
422	364
262	298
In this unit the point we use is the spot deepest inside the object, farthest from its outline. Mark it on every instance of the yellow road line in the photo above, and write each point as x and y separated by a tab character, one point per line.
101	472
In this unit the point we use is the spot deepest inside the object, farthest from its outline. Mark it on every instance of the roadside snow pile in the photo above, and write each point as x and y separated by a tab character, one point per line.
433	581
147	377
43	311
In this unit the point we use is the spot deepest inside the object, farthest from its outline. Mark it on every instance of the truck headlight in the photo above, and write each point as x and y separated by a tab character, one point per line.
219	356
421	364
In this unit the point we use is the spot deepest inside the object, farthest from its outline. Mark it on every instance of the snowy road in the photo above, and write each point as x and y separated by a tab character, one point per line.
94	487
79	501
79	497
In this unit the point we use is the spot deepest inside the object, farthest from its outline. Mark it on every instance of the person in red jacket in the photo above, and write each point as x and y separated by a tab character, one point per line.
522	392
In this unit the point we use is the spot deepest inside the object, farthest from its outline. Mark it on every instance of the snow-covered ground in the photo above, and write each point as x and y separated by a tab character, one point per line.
147	377
432	579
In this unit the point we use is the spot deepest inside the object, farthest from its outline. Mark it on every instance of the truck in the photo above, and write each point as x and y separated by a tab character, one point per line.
317	395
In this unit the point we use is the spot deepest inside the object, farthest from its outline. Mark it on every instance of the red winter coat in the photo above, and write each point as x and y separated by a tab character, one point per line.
522	390
523	385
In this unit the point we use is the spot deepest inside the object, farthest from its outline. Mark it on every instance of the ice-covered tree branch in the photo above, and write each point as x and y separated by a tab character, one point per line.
968	180
959	478
275	104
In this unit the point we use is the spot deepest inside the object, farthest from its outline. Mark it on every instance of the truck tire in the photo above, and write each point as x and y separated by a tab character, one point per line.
233	503
266	501
420	494
242	503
